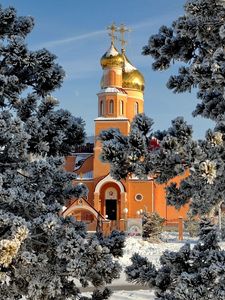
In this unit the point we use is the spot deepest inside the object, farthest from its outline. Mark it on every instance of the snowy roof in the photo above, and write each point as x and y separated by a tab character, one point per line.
80	159
133	177
128	67
113	90
86	176
111	51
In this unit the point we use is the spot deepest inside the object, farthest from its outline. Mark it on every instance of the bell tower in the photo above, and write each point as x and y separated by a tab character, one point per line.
120	97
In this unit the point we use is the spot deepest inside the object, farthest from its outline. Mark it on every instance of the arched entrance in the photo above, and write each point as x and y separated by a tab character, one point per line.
110	201
110	198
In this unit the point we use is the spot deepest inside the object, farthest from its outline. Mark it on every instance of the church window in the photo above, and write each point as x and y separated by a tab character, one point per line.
111	107
139	197
121	107
136	108
101	108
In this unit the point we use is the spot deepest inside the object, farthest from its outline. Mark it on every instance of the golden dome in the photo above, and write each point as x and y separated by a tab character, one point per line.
132	78
112	58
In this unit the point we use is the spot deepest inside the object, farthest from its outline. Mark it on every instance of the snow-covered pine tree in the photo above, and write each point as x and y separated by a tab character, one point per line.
197	39
43	256
152	226
176	152
191	225
191	273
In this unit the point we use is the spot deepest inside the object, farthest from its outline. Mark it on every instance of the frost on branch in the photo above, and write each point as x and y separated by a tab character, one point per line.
9	247
166	154
43	256
195	39
194	272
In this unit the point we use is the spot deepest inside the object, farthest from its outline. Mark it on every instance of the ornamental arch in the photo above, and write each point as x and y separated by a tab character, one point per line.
110	198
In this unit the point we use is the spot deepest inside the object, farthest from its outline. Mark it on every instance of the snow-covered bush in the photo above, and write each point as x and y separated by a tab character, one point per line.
191	225
152	226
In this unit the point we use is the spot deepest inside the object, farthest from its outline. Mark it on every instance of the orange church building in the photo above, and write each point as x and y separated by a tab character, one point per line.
121	97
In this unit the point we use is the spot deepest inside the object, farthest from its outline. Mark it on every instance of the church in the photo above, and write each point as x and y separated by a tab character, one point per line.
120	98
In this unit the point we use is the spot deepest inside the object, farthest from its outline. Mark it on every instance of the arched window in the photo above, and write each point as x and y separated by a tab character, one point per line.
101	108
136	108
111	107
121	107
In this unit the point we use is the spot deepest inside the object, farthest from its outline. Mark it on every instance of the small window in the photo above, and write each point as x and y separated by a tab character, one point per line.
101	108
139	197
111	107
136	108
121	107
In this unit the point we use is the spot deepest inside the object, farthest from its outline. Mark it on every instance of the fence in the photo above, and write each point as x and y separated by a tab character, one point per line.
108	226
177	224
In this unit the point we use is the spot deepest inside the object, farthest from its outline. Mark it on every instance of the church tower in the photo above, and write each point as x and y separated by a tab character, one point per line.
120	97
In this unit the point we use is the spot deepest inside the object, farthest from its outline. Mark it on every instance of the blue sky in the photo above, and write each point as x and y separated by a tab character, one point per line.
75	31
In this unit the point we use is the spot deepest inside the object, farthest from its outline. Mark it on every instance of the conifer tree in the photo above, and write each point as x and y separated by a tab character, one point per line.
196	40
191	273
152	226
175	152
43	256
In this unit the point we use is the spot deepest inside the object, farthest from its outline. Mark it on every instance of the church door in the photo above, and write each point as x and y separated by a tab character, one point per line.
111	209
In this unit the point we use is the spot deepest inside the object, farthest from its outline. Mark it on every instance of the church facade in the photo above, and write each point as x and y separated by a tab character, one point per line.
121	97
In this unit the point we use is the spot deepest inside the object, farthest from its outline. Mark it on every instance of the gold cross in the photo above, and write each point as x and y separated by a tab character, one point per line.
112	28
123	29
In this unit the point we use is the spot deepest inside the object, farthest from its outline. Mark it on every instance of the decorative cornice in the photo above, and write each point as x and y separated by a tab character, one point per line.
103	119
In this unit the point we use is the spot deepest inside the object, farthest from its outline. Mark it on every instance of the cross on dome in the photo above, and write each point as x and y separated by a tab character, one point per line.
112	29
123	29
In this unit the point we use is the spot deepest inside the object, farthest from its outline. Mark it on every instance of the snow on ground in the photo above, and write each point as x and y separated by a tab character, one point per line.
126	295
138	295
152	251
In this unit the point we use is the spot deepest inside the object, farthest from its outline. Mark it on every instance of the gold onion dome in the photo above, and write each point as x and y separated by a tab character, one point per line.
112	58
132	78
